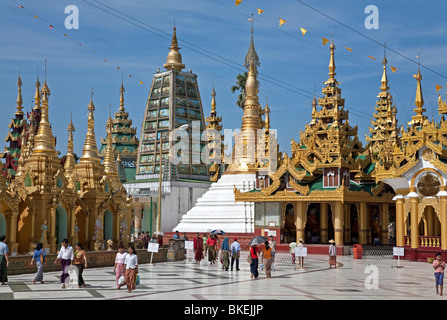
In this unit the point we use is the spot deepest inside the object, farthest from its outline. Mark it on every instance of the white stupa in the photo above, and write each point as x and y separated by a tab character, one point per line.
217	208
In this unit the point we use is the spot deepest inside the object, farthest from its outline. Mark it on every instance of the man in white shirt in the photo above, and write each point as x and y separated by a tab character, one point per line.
235	254
65	256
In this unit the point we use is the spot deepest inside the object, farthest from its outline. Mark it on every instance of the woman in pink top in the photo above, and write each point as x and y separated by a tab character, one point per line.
439	267
119	265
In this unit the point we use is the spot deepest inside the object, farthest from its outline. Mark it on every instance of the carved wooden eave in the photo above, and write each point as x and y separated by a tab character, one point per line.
338	194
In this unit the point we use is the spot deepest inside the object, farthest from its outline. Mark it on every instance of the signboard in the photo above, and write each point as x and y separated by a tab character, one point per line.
398	251
272	233
189	245
152	247
301	252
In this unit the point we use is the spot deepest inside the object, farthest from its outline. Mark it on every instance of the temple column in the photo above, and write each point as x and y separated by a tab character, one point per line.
300	216
72	215
384	215
13	232
362	223
347	220
138	216
414	201
443	207
338	222
323	222
400	223
53	229
430	217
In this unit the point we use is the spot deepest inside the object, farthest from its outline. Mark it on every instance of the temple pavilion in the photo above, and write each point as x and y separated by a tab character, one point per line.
44	198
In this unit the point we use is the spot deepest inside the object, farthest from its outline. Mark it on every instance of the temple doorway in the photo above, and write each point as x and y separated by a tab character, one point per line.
312	228
2	224
61	225
108	225
289	230
354	216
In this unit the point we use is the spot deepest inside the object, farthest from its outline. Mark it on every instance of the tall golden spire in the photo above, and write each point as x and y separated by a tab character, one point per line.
70	160
90	152
44	140
19	97
384	79
332	62
267	116
419	118
174	59
109	159
251	116
121	108
252	56
37	95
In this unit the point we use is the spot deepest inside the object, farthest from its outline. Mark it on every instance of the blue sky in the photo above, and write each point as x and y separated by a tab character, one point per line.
222	29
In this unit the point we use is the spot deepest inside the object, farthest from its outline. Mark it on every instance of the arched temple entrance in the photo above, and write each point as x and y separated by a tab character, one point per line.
61	225
108	225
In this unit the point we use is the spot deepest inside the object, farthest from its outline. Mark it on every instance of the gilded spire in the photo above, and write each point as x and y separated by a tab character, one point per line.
121	108
44	140
19	97
37	95
267	116
213	121
384	79
90	152
252	56
174	59
70	160
109	159
419	118
332	61
213	101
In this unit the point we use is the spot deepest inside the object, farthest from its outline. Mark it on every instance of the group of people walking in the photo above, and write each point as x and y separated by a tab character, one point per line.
209	246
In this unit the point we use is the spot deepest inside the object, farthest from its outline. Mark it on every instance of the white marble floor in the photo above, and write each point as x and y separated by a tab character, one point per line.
352	279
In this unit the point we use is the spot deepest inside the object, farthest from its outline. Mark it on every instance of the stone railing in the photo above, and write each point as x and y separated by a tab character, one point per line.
20	264
425	241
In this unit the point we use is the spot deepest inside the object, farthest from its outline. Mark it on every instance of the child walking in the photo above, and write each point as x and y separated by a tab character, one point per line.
439	267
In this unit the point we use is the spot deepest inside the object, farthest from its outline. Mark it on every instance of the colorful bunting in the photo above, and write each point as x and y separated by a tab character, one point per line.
260	11
371	57
51	27
349	49
21	7
303	31
238	2
438	87
325	41
281	22
393	69
36	17
141	82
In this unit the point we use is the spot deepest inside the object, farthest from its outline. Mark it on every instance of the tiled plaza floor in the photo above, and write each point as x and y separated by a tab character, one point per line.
187	281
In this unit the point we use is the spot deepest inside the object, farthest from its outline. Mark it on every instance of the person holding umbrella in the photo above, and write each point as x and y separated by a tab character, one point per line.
253	254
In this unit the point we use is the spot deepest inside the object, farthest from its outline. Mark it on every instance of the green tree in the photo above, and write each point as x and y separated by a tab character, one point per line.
241	79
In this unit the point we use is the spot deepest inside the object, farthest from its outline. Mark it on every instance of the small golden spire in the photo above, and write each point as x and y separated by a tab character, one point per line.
90	152
174	59
419	100
213	101
332	61
19	97
267	115
109	159
44	140
70	160
121	108
37	95
384	79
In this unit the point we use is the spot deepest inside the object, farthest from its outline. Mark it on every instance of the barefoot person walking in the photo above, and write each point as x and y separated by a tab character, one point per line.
439	267
4	260
39	257
65	256
131	266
